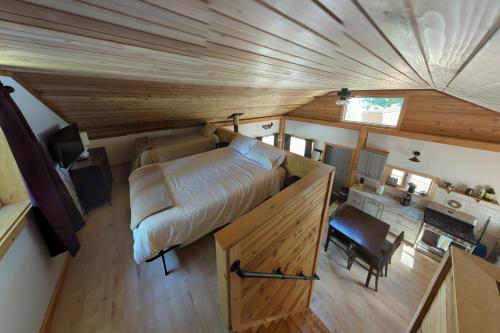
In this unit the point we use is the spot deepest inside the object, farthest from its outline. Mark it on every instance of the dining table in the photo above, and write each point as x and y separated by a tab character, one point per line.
366	231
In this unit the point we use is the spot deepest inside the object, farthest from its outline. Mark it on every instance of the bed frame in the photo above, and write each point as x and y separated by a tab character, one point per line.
294	165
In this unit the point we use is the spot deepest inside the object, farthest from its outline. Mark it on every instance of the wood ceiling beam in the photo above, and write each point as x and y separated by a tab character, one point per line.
482	145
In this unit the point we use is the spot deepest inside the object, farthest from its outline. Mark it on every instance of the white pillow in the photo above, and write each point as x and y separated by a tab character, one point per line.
242	144
208	130
267	156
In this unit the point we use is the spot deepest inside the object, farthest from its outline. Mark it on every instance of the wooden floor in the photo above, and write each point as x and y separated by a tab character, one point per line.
105	291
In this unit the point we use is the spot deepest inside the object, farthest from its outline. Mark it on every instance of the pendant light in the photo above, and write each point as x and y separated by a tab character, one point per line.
416	154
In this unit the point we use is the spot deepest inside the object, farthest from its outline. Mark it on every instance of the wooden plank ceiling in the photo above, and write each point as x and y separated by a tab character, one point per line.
426	111
294	49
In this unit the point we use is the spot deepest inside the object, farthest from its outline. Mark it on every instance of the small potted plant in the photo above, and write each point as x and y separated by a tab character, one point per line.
489	194
448	186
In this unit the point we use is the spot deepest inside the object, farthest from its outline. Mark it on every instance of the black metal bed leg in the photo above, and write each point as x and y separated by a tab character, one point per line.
164	263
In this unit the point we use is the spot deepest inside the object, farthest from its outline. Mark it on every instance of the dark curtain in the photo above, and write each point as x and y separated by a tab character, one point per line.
276	139
309	148
54	208
286	144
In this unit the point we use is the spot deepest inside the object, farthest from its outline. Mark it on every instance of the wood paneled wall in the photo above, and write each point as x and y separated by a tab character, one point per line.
111	107
285	231
427	111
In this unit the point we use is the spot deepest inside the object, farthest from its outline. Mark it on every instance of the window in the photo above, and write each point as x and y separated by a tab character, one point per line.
268	139
14	203
297	146
401	178
383	111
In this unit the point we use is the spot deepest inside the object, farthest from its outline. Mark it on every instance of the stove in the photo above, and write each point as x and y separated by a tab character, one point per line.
444	227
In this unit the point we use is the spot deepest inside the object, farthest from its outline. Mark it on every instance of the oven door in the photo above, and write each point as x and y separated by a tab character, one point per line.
435	242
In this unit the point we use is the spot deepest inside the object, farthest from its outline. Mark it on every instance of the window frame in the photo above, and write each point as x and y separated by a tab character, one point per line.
402	113
267	136
305	145
14	199
404	188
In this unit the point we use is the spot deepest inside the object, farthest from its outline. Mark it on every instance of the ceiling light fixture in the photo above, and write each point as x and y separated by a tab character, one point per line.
416	154
343	96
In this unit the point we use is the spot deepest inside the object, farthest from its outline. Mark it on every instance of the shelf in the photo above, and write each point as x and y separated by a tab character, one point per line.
493	202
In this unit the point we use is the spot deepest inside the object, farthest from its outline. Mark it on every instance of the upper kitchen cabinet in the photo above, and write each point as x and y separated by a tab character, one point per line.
371	163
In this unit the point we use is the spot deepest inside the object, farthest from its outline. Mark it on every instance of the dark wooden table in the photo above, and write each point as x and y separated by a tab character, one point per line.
365	230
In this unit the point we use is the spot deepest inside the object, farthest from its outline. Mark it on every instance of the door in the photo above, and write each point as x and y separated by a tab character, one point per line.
340	158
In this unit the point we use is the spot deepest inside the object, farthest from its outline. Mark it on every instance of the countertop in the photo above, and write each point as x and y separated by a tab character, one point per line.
392	201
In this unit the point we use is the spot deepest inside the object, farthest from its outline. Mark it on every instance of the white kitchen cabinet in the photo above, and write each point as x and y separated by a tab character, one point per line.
372	207
356	199
371	163
399	222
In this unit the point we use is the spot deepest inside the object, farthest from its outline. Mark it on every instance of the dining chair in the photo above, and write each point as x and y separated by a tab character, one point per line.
382	262
338	238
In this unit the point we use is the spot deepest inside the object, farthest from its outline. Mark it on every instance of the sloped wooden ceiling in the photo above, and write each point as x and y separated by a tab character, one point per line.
425	111
113	107
298	45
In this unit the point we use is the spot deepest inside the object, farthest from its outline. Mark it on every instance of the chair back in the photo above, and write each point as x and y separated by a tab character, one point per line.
397	242
394	246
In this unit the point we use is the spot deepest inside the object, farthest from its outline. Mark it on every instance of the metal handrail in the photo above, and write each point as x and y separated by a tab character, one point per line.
235	268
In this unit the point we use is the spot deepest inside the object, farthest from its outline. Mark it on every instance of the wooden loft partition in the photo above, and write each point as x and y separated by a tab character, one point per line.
463	296
284	231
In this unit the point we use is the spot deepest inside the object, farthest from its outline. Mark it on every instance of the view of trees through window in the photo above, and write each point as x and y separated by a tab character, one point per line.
374	110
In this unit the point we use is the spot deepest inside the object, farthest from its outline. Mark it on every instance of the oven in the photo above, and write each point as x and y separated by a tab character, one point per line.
444	227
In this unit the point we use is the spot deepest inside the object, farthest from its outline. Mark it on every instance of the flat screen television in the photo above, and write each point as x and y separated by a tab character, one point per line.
67	145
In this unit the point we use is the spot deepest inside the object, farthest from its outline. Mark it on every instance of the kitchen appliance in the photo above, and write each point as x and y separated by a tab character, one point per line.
406	199
444	227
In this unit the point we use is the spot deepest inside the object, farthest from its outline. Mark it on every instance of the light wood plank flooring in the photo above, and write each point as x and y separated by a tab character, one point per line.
105	291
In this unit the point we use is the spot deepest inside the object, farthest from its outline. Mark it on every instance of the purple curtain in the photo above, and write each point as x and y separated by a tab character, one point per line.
54	208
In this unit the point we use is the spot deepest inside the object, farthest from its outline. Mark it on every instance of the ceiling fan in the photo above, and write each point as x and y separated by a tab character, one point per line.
343	96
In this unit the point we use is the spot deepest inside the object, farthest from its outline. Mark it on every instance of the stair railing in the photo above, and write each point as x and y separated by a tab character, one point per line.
278	274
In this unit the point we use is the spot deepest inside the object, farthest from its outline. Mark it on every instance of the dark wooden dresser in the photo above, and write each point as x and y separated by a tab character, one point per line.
92	179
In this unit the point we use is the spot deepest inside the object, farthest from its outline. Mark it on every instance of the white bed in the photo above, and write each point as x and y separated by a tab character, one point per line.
171	147
209	190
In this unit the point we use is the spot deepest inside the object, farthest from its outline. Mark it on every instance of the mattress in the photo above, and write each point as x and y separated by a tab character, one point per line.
172	147
208	190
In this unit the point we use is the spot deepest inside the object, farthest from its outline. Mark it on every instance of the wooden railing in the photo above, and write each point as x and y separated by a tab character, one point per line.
284	231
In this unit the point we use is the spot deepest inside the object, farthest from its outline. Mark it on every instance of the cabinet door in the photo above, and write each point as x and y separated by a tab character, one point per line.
356	199
377	165
372	207
364	162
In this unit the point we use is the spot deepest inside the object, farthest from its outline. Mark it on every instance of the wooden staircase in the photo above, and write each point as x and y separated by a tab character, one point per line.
302	322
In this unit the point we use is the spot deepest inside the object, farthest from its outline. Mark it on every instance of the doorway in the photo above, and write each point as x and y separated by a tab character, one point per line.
339	157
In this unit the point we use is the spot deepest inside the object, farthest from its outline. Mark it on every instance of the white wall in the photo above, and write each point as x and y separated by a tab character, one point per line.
321	134
27	278
254	130
41	119
27	272
463	167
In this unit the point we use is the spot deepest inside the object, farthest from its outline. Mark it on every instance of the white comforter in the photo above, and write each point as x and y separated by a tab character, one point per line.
208	190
